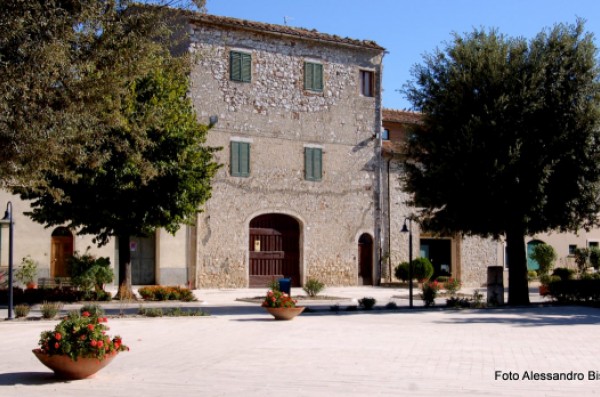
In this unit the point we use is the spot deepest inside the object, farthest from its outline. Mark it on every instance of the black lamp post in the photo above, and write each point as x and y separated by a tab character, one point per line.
408	229
8	218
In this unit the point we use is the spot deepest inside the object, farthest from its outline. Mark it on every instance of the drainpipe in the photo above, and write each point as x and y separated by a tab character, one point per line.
378	166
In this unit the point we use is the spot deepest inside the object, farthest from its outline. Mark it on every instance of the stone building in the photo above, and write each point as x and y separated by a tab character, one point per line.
298	116
465	258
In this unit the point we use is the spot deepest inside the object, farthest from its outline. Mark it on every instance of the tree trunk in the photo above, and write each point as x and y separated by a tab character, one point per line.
518	286
125	291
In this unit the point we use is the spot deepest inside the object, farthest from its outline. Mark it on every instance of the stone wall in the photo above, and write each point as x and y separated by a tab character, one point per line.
278	118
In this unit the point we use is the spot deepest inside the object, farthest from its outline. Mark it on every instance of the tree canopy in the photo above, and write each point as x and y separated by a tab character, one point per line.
509	143
64	65
113	146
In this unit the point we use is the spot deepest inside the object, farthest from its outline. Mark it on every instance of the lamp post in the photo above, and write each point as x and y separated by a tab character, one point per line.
408	230
8	219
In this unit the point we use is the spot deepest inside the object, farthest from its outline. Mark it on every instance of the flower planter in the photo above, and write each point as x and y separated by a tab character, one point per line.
285	313
65	367
543	290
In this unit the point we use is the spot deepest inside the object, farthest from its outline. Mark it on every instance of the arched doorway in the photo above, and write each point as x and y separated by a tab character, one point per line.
365	259
532	263
61	251
274	248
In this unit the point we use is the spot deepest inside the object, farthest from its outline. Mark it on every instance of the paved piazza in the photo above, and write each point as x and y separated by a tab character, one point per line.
241	351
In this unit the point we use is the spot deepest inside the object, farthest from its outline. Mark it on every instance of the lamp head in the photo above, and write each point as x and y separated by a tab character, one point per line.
404	227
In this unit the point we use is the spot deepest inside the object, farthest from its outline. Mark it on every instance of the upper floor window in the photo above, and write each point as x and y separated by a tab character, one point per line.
240	66
385	135
313	76
240	159
313	163
366	83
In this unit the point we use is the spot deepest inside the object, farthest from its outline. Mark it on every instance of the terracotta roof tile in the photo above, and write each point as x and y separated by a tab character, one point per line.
401	116
281	29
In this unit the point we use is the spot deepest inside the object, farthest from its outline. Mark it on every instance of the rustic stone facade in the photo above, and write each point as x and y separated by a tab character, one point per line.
469	256
279	119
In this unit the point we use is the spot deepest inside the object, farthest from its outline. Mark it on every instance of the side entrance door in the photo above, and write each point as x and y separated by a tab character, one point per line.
143	260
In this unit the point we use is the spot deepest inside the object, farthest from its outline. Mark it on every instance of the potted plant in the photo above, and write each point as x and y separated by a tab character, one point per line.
78	347
281	306
27	272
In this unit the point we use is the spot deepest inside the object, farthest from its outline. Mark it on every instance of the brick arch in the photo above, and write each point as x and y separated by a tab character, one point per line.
274	249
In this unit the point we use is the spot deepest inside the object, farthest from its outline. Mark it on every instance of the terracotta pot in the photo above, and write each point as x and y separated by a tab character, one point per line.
543	289
64	367
285	313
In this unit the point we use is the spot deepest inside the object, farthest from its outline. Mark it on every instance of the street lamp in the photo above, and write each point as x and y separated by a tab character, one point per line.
408	229
8	219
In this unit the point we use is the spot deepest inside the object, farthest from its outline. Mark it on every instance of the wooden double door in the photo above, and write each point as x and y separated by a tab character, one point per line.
274	249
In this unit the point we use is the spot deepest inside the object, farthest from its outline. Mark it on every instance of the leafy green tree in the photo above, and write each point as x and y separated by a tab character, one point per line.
509	140
544	255
155	169
64	64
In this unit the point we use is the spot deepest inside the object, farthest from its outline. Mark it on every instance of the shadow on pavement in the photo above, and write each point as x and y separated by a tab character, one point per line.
527	317
28	378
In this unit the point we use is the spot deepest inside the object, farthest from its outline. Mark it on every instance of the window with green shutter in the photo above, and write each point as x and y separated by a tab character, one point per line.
240	66
313	76
313	164
240	159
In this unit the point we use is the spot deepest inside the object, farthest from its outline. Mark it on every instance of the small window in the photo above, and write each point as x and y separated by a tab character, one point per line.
385	135
240	159
366	83
572	248
240	66
313	76
313	164
593	244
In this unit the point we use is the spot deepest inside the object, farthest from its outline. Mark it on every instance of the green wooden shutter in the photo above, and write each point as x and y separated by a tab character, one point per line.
240	66
240	159
313	76
313	164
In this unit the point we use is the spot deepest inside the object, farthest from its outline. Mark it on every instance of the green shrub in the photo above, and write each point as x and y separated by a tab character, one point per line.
22	310
26	273
165	293
401	271
50	309
422	270
150	312
595	257
564	273
581	258
544	255
575	290
313	287
90	273
367	302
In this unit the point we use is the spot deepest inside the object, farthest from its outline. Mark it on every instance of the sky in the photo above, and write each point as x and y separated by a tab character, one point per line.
408	29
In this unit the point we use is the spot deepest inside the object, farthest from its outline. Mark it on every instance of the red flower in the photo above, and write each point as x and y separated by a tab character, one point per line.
85	314
56	345
91	327
83	337
57	336
100	344
93	343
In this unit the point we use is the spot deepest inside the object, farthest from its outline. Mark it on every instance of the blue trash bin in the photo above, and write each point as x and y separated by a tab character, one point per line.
285	285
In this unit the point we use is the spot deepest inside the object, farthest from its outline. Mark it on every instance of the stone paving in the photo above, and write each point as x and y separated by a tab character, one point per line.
240	350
